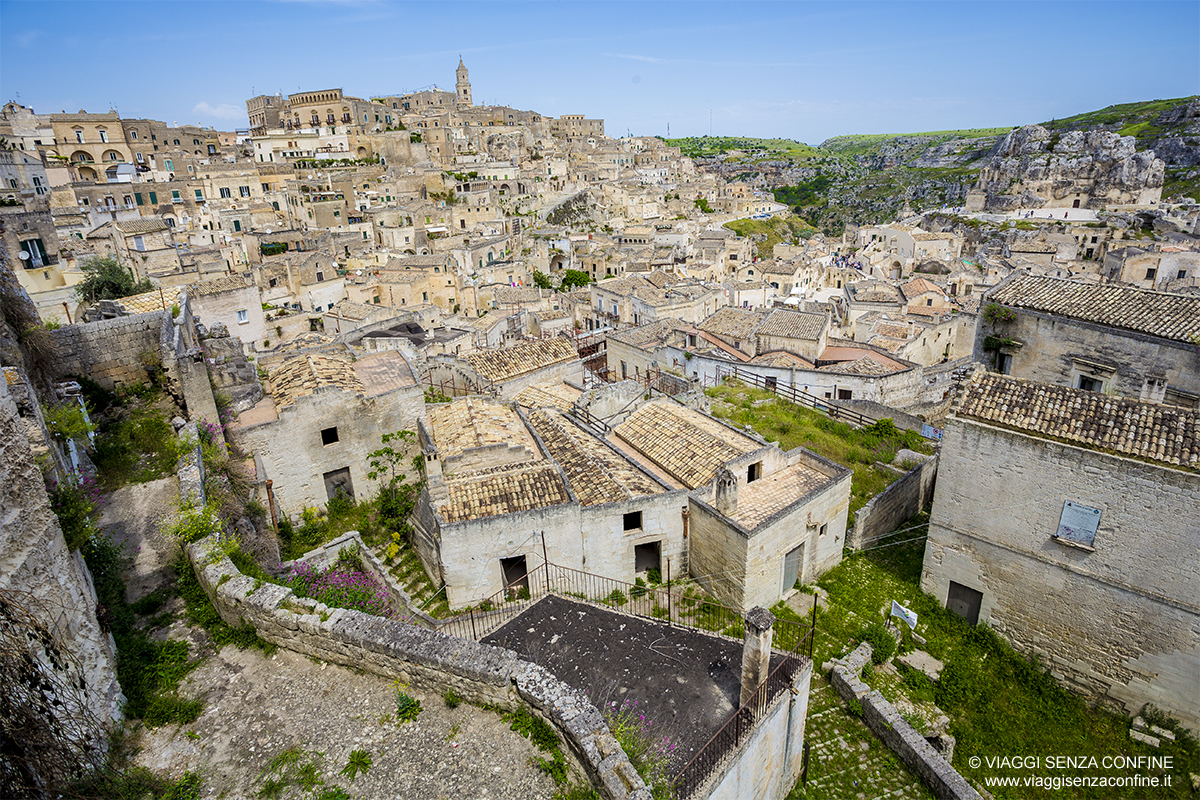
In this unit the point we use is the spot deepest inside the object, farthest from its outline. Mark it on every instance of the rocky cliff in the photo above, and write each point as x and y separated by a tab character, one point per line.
1032	167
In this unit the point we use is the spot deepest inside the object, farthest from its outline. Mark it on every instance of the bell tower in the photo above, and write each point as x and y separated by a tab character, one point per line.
462	85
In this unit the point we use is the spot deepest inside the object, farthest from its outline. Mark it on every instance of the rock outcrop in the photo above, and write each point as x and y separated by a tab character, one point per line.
1033	168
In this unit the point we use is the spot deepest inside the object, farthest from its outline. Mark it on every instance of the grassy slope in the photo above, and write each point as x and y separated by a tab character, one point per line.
708	146
1127	119
999	703
867	143
795	426
787	230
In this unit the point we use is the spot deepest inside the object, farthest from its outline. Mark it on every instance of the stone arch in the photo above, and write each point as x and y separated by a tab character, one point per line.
112	155
362	152
81	157
87	173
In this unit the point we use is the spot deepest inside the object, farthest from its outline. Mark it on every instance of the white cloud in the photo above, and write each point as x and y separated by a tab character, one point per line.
223	111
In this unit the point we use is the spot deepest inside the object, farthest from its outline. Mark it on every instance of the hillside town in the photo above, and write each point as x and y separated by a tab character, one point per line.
531	382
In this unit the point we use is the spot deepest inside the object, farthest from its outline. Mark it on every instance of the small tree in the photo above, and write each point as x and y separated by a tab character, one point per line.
105	279
395	496
573	278
541	279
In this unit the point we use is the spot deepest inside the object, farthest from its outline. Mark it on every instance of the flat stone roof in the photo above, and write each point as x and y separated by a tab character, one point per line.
686	683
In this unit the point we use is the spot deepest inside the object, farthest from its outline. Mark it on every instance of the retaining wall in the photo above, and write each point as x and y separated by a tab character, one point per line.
424	659
893	730
110	352
899	501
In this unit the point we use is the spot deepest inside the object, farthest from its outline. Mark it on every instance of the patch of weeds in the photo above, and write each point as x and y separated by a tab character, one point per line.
453	734
149	671
648	752
138	446
407	706
616	598
638	589
200	611
296	767
452	698
855	707
359	761
883	646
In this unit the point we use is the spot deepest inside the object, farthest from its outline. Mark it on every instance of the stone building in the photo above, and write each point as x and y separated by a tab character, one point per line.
1105	338
234	302
505	372
761	520
1091	561
499	479
321	416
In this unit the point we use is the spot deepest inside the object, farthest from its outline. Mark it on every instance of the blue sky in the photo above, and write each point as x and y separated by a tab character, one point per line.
803	71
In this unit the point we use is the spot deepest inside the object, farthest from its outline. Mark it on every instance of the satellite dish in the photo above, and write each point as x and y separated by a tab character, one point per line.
358	272
24	256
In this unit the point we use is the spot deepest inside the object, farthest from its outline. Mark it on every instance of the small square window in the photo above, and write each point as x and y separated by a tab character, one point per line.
633	521
754	472
329	435
824	530
1150	273
1090	384
243	316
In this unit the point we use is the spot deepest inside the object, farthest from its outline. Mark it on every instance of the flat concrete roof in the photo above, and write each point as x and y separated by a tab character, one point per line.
686	683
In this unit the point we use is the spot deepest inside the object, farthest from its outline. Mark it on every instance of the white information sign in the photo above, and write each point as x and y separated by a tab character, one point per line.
906	614
1078	523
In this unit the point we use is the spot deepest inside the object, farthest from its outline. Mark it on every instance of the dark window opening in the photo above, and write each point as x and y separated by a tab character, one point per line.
754	472
329	435
1150	273
845	394
633	520
1004	363
647	557
515	573
1089	384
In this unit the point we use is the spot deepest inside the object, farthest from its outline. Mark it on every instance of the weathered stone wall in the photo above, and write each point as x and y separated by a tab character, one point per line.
1051	345
424	659
608	549
893	730
893	505
113	352
771	759
1117	622
295	458
39	572
717	555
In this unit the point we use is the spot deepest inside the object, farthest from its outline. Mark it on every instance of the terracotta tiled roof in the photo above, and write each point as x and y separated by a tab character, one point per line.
153	300
792	324
299	376
736	323
920	286
476	422
504	490
225	283
511	362
596	473
146	225
559	396
777	267
781	358
1171	316
685	443
862	366
652	333
1166	434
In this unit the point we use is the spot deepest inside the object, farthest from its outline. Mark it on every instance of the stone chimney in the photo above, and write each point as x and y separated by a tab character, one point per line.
756	650
726	492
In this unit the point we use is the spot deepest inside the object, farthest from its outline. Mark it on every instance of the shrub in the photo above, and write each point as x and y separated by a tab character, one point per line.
616	597
452	698
638	589
654	576
883	646
649	752
77	506
340	504
341	587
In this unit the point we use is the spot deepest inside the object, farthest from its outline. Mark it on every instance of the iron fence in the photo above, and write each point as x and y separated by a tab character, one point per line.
734	732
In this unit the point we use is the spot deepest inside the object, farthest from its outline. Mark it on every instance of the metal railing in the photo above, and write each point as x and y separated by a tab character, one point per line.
660	602
799	397
734	732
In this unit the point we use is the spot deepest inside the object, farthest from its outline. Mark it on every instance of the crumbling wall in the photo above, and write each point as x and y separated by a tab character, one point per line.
886	510
424	659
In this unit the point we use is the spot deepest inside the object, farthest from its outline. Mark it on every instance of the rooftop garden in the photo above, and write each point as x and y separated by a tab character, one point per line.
794	426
